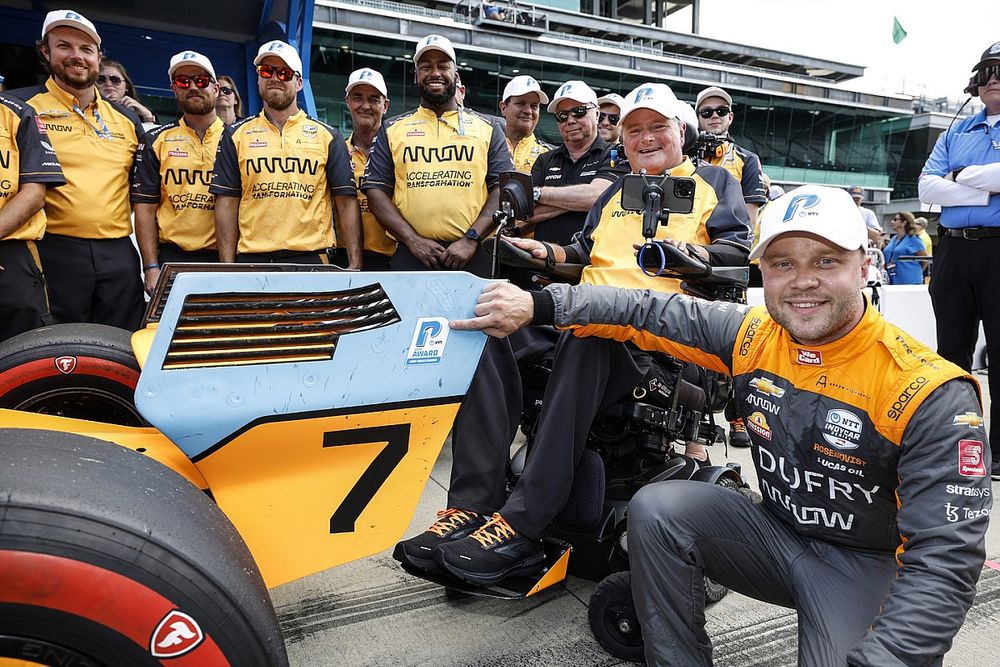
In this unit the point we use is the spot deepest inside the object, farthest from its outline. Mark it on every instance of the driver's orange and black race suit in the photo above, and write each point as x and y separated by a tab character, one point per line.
872	444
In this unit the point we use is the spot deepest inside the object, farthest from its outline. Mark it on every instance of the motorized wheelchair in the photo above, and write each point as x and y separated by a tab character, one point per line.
630	444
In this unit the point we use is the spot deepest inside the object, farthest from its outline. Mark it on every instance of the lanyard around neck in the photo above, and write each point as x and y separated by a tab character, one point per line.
100	128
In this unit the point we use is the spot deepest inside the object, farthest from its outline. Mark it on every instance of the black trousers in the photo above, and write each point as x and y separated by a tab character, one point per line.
370	260
965	290
680	531
171	254
588	375
403	260
284	257
23	303
93	280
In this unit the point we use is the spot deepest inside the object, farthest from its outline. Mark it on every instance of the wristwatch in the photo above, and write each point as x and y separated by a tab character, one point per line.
536	194
473	235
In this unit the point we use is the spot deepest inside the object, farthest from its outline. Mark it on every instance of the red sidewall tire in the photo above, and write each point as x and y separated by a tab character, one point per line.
86	371
105	553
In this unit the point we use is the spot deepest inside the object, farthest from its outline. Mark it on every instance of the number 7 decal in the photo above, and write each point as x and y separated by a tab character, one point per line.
397	437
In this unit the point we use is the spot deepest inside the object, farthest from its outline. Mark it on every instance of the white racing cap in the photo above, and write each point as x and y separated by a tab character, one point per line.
369	77
660	98
282	50
435	43
70	19
826	212
190	58
612	98
577	91
713	91
522	85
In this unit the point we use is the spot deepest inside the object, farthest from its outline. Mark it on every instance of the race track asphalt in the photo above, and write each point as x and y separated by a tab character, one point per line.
370	612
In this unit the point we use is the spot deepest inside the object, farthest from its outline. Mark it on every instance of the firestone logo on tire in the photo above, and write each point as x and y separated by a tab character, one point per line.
176	635
65	365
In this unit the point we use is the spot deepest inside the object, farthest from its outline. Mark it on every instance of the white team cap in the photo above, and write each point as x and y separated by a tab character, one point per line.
816	209
70	19
522	85
369	77
660	98
612	98
577	91
434	43
282	50
713	91
190	58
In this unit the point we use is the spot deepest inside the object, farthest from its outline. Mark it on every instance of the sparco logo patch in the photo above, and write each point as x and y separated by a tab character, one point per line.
899	405
748	336
176	635
810	357
970	458
65	365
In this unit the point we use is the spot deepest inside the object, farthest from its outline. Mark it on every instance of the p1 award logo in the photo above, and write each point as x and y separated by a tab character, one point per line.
429	338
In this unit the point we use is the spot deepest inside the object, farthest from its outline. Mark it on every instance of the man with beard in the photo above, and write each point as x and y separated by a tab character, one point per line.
569	179
367	99
870	450
276	174
174	212
522	100
433	172
91	267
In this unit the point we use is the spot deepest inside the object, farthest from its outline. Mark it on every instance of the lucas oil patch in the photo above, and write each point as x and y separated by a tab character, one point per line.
429	338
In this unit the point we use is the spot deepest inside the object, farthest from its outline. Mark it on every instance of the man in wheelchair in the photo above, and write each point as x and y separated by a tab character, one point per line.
485	535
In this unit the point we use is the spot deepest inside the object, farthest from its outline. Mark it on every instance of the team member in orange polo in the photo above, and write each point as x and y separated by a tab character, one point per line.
91	267
275	178
367	99
174	212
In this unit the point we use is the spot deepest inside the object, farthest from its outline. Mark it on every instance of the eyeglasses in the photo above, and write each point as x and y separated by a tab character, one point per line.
115	80
613	118
283	73
718	111
576	112
983	75
226	90
183	81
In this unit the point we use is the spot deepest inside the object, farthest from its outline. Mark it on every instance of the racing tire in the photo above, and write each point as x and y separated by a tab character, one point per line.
84	371
613	618
109	558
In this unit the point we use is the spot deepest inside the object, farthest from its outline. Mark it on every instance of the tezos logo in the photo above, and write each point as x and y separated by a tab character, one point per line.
429	338
800	204
842	429
65	365
176	635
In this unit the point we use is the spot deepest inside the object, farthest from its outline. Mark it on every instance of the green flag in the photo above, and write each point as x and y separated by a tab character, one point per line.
898	34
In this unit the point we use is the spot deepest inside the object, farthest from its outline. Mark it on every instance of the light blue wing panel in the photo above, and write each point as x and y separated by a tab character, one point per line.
232	348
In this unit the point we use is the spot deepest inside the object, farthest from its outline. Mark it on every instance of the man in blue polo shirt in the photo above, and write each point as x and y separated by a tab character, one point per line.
962	175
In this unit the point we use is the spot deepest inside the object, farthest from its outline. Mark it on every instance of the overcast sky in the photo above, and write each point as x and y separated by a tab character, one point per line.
944	40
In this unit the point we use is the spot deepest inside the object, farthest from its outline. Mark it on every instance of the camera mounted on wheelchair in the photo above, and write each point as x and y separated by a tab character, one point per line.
709	146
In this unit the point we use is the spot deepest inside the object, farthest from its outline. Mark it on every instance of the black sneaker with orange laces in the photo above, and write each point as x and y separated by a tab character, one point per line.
451	524
738	436
491	554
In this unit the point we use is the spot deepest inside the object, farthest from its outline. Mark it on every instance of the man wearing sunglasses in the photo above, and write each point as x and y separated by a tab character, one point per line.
520	107
281	174
485	535
91	267
433	172
568	179
174	211
607	121
962	175
715	115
